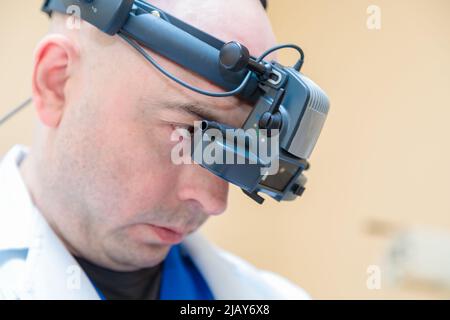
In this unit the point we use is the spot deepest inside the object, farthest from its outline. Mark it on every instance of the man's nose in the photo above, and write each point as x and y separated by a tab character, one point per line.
201	190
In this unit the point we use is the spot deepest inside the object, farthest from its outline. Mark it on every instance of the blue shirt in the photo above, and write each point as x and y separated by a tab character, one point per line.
181	279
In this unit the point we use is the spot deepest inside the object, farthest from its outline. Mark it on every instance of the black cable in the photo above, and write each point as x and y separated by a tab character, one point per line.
150	59
236	91
299	63
14	111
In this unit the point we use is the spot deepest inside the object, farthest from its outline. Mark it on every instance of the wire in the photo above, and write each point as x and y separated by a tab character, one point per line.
181	82
299	63
236	91
148	8
14	111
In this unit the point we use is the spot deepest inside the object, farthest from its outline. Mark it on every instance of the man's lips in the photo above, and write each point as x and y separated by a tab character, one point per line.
169	236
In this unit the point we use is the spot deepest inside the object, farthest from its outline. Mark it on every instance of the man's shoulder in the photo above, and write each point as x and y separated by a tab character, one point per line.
232	277
278	286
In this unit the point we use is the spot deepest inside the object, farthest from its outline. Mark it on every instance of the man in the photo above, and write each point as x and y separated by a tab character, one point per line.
98	189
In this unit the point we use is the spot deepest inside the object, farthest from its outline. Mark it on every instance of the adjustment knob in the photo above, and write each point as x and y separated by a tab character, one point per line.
236	57
270	121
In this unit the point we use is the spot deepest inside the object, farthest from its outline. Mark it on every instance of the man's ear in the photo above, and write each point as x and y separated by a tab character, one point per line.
53	66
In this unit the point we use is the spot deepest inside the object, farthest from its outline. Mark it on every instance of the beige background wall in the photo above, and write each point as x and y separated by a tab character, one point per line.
381	165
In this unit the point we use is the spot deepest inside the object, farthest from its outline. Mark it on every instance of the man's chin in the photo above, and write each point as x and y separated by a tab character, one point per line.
139	255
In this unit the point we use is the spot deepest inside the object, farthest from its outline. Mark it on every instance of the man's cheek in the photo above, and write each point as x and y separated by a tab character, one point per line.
154	179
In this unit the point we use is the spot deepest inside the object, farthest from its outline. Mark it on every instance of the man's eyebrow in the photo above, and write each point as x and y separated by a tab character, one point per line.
197	110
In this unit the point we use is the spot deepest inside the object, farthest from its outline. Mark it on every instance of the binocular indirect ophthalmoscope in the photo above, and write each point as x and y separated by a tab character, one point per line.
288	106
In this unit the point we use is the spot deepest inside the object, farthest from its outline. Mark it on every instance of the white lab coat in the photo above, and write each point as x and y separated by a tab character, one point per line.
34	263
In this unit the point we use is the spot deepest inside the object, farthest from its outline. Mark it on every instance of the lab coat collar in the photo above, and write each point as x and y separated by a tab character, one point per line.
16	208
223	277
50	271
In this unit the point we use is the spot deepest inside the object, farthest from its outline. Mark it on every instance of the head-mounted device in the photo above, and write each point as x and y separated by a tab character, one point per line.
287	104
